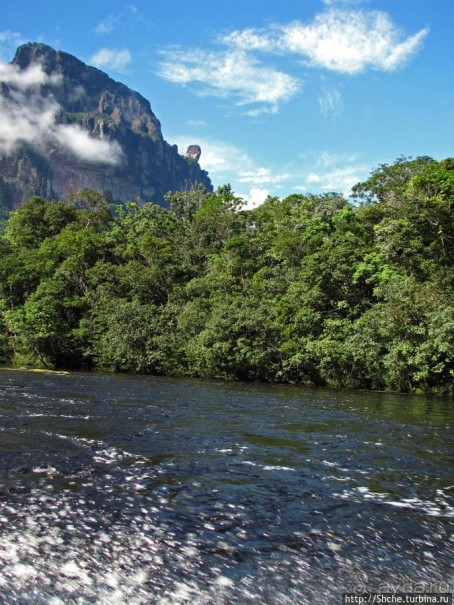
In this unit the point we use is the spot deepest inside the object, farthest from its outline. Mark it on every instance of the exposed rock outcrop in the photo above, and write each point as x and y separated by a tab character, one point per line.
74	128
193	153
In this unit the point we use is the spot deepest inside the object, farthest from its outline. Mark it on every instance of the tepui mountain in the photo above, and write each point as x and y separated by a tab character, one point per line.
66	127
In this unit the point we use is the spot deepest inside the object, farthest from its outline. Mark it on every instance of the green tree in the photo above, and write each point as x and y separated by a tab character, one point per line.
37	219
311	289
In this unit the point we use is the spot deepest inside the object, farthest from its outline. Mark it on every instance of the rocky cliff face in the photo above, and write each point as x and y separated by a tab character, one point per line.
68	127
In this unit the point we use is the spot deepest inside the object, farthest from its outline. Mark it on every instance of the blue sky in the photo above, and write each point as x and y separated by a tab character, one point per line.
283	96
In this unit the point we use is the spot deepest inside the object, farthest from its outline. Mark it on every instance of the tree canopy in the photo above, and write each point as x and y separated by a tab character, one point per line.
310	289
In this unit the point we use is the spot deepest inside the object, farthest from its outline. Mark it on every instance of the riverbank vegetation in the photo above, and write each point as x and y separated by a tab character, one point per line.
310	289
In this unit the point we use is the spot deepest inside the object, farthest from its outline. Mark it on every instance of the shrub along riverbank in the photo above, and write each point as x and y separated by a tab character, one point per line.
311	289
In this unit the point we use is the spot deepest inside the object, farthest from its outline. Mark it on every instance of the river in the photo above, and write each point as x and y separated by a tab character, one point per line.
142	490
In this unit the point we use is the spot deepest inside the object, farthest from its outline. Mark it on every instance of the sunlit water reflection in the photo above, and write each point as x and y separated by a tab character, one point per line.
136	490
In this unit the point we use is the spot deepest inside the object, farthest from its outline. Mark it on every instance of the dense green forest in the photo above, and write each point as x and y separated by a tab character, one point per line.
310	289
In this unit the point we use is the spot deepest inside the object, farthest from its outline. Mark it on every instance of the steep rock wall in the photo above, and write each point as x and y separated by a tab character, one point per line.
88	106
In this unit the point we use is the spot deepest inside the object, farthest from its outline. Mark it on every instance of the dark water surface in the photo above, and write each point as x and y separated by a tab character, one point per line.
128	490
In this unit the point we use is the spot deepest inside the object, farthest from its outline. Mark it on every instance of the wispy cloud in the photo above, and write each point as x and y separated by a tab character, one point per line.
9	41
316	172
323	171
130	16
326	158
253	39
340	40
111	58
107	25
196	123
330	102
221	159
31	118
340	179
232	74
229	163
261	176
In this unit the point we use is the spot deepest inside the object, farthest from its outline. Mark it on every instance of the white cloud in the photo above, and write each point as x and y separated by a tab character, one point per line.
313	178
22	79
232	73
77	141
252	39
261	176
341	40
351	41
315	171
227	163
329	171
30	118
330	102
340	179
254	198
221	159
107	25
24	120
111	58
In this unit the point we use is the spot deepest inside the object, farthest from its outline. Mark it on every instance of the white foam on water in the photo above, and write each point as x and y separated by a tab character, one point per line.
223	581
35	415
46	470
439	507
23	571
26	395
278	468
71	416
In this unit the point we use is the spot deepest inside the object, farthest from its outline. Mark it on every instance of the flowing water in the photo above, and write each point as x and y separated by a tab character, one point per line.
139	490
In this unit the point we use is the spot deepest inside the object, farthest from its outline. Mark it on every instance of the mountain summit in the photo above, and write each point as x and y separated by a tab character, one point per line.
66	126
